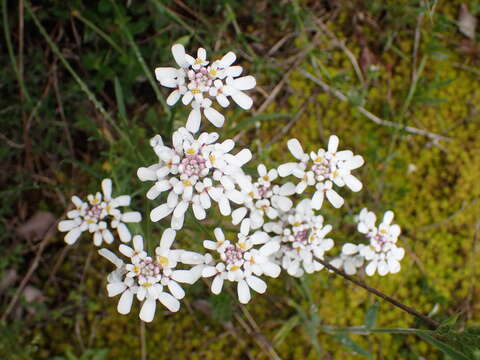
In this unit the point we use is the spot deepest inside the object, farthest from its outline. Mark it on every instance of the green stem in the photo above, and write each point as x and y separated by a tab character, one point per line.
141	61
11	54
99	31
413	88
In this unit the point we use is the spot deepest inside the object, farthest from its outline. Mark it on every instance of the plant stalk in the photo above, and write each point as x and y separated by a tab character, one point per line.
432	323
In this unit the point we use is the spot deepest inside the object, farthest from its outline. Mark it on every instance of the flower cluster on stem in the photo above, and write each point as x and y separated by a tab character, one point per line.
93	216
280	224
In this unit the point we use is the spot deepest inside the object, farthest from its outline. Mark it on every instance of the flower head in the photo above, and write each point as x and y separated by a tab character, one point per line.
198	82
302	238
194	171
262	198
381	255
149	278
323	169
242	261
93	215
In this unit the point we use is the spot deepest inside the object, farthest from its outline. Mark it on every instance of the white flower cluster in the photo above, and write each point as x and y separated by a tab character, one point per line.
302	238
93	214
150	279
262	198
242	261
194	171
381	255
323	169
197	82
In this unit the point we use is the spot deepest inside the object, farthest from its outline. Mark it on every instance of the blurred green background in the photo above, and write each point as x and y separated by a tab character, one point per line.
79	103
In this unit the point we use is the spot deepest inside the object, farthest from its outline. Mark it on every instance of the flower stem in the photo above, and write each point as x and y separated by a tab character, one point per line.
434	324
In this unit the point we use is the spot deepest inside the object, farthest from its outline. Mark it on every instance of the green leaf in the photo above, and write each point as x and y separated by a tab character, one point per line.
352	346
371	315
100	354
184	40
122	112
286	328
222	310
446	349
451	321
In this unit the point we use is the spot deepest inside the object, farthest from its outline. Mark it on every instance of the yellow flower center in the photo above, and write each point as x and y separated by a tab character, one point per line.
162	260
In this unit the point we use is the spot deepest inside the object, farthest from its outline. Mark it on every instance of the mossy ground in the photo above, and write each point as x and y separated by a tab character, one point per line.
434	189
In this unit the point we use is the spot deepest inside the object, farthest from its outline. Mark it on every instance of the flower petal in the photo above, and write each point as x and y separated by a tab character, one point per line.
147	312
124	233
214	116
169	302
296	149
242	100
132	217
217	284
107	189
335	199
353	183
193	121
178	52
125	302
333	144
160	212
243	292
245	83
73	235
257	284
176	289
168	237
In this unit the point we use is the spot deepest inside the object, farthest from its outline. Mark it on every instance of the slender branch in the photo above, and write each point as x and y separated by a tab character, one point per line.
33	266
143	341
339	95
374	291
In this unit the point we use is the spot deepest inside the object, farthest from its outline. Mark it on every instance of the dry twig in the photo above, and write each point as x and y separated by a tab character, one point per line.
435	138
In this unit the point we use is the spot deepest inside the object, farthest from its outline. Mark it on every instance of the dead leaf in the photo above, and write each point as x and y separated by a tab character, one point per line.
9	278
203	306
32	294
367	59
466	22
37	226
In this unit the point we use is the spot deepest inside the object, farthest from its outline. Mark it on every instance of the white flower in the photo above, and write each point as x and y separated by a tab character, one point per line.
349	260
262	198
381	255
198	82
92	215
242	261
323	169
302	238
149	279
194	171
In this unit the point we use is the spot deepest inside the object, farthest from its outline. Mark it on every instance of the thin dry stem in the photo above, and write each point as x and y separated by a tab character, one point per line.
339	95
430	322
